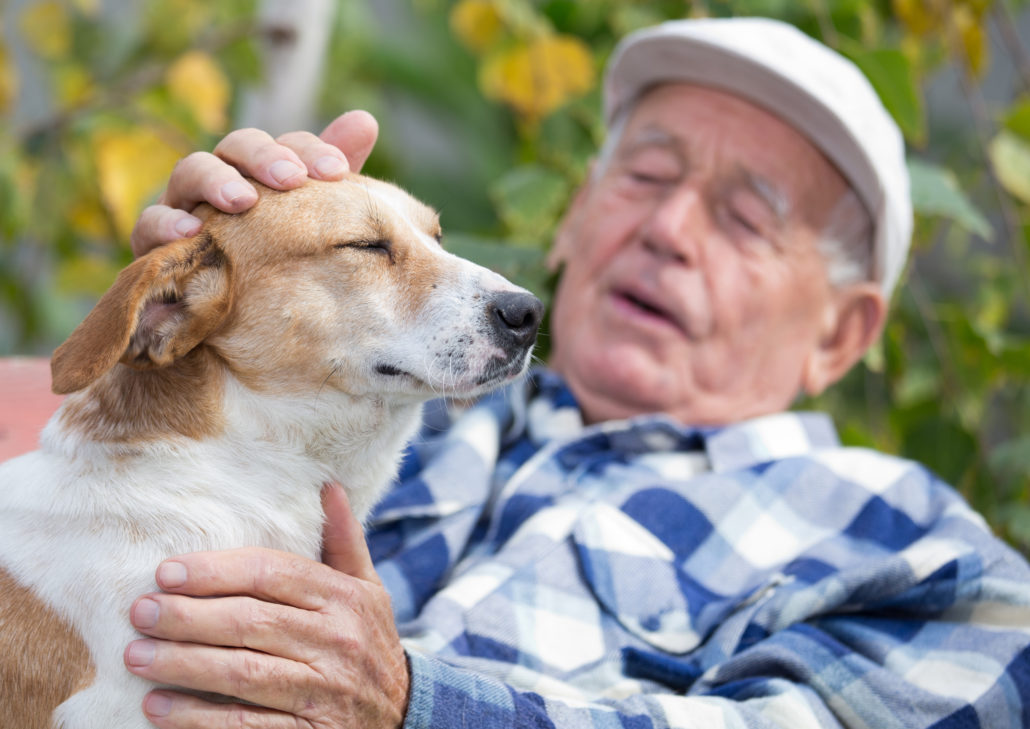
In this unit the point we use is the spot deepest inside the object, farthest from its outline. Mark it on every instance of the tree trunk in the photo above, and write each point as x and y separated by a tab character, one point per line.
294	38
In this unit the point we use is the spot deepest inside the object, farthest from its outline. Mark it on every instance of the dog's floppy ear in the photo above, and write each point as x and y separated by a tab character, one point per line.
159	308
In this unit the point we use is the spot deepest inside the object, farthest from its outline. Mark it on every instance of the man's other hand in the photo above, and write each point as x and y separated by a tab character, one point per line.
306	643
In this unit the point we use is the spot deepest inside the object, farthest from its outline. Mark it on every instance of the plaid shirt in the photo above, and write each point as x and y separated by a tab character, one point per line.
643	574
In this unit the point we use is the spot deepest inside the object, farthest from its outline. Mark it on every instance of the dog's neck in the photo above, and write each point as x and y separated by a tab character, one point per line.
129	408
129	414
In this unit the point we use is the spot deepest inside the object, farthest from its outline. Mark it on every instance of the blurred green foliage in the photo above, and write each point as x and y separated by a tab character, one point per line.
489	110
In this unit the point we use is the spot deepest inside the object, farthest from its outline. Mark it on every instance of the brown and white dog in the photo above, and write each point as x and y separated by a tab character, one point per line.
218	384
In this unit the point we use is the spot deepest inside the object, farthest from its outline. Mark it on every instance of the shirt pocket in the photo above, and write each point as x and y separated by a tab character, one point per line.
637	579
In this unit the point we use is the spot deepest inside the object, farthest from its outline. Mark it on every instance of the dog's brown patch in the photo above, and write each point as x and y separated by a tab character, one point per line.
43	661
132	405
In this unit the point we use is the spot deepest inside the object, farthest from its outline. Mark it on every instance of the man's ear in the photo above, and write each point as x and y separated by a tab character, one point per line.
853	321
159	308
564	237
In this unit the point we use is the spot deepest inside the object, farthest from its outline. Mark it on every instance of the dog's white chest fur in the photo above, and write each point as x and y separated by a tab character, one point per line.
84	525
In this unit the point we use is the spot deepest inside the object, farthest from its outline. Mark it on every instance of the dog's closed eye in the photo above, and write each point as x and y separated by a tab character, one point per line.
381	246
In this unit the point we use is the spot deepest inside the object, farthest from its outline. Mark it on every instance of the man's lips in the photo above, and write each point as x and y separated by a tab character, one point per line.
646	306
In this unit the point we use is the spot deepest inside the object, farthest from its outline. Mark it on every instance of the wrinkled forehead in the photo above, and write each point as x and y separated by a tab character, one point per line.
718	131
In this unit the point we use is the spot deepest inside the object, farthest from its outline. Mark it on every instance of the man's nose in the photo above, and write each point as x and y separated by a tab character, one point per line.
515	316
676	226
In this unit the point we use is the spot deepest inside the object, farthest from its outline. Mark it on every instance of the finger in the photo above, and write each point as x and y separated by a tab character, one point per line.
355	134
203	177
172	710
231	622
160	224
269	681
262	573
255	154
343	540
323	160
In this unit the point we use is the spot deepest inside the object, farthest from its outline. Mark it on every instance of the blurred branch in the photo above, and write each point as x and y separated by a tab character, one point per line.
116	94
1013	44
982	131
294	37
937	336
826	26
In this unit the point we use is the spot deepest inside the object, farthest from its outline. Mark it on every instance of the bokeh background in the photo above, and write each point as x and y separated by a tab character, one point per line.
489	110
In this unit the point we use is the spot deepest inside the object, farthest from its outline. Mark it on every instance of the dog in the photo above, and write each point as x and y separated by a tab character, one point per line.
218	384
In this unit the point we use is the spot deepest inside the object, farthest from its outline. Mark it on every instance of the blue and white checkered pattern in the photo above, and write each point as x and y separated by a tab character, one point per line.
642	574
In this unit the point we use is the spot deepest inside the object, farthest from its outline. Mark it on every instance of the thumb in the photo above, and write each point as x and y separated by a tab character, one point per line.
343	540
355	134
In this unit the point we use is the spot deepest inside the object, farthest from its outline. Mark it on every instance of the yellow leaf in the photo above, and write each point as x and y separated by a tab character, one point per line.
477	24
913	48
870	25
47	29
536	78
919	16
197	81
73	85
89	8
1010	158
87	218
970	33
86	275
132	165
8	80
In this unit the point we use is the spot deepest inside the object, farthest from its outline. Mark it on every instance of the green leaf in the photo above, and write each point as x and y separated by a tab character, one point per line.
1017	519
1010	157
1012	456
530	199
894	79
941	444
936	191
1017	119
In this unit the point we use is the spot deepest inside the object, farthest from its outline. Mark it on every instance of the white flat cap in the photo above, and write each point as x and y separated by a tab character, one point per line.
811	87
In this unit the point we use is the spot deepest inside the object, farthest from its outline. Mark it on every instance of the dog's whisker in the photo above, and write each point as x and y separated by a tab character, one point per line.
321	387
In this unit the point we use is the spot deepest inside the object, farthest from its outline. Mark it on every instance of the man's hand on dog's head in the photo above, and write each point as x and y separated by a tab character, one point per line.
282	163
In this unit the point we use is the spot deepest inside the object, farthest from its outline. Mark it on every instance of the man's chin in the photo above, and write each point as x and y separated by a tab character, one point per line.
615	391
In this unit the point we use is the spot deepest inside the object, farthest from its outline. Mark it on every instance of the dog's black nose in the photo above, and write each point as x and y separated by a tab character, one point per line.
515	317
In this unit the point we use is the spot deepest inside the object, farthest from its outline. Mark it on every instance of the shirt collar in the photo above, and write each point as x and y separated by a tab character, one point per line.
554	414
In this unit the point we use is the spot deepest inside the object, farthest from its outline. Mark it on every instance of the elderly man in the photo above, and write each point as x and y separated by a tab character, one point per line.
639	536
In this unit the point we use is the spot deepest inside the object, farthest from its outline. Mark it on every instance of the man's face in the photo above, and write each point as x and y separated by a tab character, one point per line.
693	284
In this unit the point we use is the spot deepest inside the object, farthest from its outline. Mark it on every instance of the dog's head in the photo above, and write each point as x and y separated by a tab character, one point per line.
339	285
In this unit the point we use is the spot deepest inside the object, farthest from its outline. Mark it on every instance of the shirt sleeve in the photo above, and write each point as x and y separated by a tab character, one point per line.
937	636
812	675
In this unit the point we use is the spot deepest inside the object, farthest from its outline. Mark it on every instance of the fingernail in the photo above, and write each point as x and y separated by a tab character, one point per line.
283	171
145	614
187	226
171	574
236	190
329	166
141	653
157	705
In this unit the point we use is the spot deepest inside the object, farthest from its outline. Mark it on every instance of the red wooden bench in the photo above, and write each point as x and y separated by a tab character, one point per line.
26	403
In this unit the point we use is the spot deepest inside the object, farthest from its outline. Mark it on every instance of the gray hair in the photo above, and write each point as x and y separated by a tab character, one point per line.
845	241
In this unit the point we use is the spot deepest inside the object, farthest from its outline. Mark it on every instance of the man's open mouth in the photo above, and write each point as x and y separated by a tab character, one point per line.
647	306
